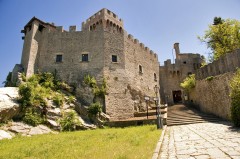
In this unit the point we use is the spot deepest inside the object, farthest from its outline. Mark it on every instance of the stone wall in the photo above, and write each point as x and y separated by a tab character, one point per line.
212	96
71	45
227	63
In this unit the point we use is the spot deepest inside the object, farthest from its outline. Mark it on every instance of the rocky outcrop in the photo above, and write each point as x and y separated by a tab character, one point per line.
8	103
27	130
5	135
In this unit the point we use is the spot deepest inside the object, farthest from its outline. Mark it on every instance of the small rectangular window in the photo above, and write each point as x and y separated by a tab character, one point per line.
155	77
85	57
59	58
140	69
114	58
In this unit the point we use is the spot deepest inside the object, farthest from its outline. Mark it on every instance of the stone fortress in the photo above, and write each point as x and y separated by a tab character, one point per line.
102	49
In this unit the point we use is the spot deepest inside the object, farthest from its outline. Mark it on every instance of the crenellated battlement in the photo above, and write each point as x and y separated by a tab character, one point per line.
141	45
105	18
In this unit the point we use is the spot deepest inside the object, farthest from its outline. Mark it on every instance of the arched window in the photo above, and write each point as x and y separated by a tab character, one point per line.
120	30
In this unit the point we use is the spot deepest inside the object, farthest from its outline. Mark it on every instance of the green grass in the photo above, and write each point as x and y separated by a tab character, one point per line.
111	143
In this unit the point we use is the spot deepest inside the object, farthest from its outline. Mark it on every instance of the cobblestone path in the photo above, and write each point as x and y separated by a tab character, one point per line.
201	141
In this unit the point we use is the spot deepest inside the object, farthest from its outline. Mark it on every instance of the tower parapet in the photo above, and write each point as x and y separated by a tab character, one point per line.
104	17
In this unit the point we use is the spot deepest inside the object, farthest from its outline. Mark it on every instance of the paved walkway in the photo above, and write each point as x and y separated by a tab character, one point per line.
201	141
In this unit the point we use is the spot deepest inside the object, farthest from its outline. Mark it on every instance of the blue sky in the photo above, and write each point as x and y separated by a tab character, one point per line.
156	23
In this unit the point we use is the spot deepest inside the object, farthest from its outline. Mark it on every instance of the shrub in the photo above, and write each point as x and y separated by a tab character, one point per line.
32	94
235	96
47	80
70	99
94	109
31	117
188	83
100	92
69	121
90	81
58	99
209	78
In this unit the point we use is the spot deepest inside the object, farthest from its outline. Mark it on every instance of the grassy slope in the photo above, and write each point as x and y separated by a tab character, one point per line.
133	142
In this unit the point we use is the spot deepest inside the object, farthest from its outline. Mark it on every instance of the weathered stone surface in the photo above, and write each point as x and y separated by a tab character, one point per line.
40	129
54	112
201	141
27	130
85	95
53	124
19	127
5	135
86	125
8	103
206	93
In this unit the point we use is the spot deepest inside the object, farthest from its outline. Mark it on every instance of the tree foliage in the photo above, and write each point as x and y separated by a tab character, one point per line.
8	82
222	37
235	96
188	83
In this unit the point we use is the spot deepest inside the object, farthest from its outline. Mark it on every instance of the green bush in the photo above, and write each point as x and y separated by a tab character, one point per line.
94	109
188	83
209	78
47	80
100	91
70	99
69	121
90	81
58	99
32	94
235	96
31	117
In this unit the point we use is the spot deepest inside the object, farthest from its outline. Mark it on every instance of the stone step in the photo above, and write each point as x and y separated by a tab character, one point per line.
150	113
170	116
182	115
189	120
183	123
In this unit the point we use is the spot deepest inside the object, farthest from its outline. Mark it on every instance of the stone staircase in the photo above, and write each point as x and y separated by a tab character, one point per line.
182	115
141	118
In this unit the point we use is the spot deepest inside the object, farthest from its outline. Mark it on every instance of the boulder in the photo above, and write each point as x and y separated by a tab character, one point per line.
54	114
40	129
5	135
53	124
27	130
19	127
8	103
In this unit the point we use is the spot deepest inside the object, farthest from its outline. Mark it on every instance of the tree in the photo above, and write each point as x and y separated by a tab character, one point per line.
8	82
188	83
222	37
217	20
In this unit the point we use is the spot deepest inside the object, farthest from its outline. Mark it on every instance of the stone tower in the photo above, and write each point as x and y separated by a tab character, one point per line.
171	75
